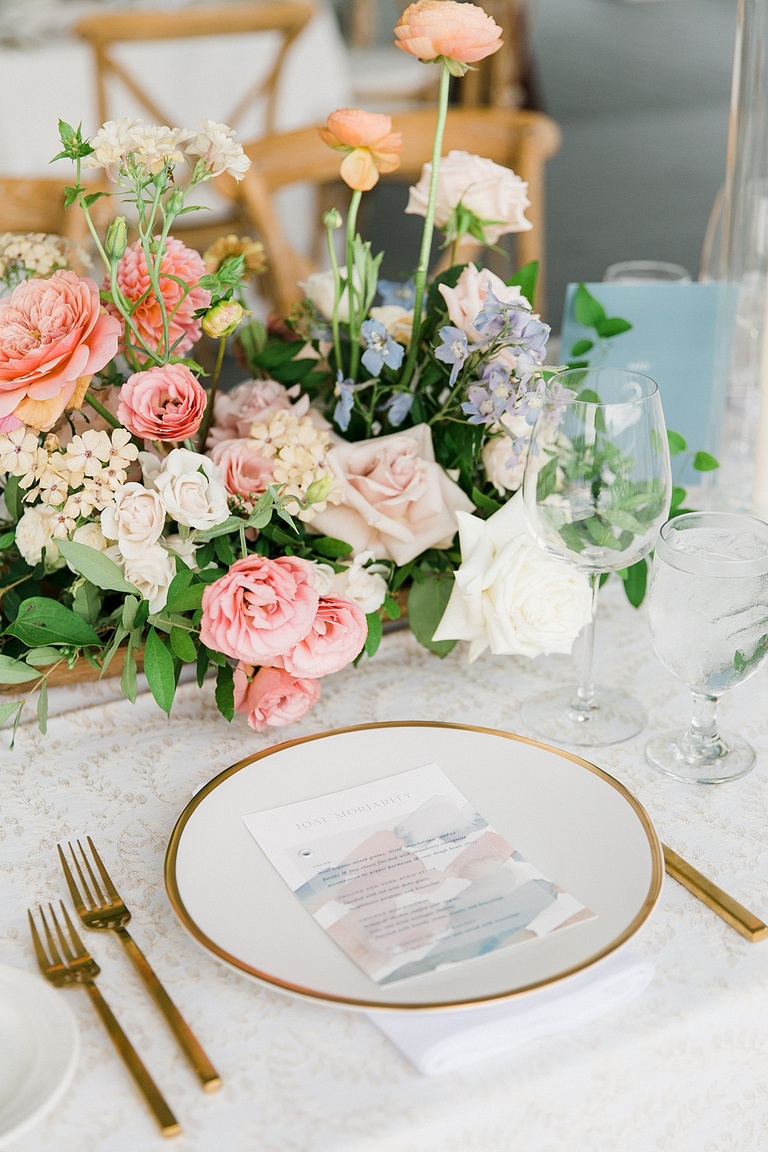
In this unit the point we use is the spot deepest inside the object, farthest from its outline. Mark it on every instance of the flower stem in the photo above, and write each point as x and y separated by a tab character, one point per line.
336	298
206	424
355	320
102	411
429	224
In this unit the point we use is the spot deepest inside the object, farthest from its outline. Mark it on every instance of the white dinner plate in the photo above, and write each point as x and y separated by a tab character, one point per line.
582	829
39	1046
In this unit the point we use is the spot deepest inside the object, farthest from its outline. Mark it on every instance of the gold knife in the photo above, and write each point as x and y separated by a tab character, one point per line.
728	909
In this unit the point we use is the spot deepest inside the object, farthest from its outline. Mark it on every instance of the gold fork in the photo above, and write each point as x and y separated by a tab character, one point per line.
99	906
77	966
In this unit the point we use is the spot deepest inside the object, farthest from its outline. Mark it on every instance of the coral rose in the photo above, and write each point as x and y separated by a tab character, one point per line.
53	336
164	403
272	697
260	609
245	471
335	638
432	29
178	263
370	144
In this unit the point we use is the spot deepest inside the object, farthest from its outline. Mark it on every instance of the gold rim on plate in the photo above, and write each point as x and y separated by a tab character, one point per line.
177	903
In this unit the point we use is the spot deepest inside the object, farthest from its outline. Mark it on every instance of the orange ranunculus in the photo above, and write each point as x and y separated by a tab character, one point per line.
370	144
446	28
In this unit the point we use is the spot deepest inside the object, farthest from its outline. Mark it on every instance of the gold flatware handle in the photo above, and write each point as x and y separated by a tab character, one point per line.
728	909
169	1125
189	1043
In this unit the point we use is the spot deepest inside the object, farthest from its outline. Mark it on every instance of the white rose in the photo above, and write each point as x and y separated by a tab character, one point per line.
365	585
324	578
319	289
135	520
150	466
91	535
486	189
504	466
184	549
34	533
192	490
151	574
509	595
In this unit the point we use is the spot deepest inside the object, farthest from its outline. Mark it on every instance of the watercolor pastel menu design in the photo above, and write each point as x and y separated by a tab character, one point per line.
406	876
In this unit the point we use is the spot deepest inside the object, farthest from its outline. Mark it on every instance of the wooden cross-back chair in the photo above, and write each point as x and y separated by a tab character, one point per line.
106	31
520	140
36	204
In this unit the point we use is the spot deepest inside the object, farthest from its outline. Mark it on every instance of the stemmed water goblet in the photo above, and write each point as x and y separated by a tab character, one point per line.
708	614
596	488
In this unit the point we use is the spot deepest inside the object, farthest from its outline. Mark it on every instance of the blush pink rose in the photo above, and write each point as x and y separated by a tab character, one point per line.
134	282
493	193
272	697
260	609
395	499
462	32
54	335
335	638
244	471
164	403
466	301
254	400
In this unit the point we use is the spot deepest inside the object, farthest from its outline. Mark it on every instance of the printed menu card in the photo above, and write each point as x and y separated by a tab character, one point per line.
405	876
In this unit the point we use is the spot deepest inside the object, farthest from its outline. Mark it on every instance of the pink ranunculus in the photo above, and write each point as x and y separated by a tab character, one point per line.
260	609
164	403
458	31
53	336
178	263
466	301
272	697
335	638
234	412
244	471
395	499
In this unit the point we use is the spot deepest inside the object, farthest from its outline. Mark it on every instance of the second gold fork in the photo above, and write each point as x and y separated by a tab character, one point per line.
100	907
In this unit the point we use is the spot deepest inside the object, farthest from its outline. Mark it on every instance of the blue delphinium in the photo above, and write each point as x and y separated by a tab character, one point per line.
380	348
399	407
400	292
345	390
454	350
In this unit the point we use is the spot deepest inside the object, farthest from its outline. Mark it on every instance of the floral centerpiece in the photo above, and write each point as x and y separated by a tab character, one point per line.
265	532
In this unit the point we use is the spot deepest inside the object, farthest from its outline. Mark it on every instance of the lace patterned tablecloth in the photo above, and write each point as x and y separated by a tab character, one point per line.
683	1068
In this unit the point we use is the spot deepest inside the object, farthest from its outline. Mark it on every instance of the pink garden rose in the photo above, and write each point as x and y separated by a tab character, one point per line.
272	696
234	412
466	301
335	638
164	403
53	336
134	282
244	471
395	500
261	609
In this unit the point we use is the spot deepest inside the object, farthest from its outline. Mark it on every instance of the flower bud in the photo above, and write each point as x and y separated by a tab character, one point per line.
117	238
222	319
175	203
320	489
332	218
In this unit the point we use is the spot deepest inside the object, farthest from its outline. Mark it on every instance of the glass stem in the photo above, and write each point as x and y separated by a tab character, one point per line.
584	700
702	740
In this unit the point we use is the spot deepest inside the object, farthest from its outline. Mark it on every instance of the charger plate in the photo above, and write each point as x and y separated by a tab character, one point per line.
580	826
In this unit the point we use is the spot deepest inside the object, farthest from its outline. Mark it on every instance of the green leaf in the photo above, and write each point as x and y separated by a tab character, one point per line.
485	503
7	710
391	608
225	691
95	566
7	539
635	582
612	326
159	671
186	599
86	602
39	657
588	311
130	608
525	279
678	495
703	462
203	660
128	682
15	672
183	645
373	638
331	548
546	481
12	495
114	644
41	620
42	708
677	443
231	524
224	552
581	347
426	604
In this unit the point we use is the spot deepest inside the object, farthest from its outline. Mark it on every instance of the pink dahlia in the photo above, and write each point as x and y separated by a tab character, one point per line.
179	263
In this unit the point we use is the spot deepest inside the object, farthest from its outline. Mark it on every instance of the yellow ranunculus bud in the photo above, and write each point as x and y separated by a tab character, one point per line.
222	319
117	238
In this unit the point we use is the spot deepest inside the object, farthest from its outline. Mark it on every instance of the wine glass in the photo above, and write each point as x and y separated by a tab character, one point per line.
708	612
596	488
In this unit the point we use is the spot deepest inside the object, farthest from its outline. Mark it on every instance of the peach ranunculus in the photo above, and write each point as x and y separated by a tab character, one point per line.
178	263
234	412
272	696
335	638
395	499
53	336
370	144
466	301
260	609
447	29
245	471
167	402
492	193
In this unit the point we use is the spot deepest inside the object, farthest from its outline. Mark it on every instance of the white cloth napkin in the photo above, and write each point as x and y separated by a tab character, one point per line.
438	1042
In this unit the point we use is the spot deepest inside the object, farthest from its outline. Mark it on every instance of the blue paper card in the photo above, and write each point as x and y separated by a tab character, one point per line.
675	340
